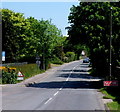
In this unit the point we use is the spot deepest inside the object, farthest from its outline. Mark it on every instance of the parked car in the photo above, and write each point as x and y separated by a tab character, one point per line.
86	60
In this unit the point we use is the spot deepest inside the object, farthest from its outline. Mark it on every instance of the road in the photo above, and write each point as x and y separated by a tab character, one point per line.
69	88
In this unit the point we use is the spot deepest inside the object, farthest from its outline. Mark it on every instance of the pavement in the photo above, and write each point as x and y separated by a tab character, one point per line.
66	87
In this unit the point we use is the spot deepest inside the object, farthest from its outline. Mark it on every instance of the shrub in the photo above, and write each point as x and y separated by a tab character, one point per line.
56	60
9	76
65	59
71	56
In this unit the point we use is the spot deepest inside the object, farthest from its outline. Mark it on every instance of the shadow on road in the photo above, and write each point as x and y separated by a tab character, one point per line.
83	66
68	84
76	75
80	80
86	81
82	70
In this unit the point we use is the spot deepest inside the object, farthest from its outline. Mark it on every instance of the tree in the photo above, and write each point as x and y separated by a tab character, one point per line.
90	26
14	28
45	37
24	39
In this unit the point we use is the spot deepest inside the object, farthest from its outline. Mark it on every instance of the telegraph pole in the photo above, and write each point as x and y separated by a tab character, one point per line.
110	40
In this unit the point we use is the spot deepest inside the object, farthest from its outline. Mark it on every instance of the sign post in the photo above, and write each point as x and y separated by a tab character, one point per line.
38	60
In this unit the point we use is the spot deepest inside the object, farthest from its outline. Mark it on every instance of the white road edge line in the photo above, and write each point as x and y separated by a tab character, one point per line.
48	100
56	93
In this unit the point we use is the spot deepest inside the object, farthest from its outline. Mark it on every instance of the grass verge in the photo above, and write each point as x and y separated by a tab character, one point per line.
114	106
28	70
54	65
0	80
112	93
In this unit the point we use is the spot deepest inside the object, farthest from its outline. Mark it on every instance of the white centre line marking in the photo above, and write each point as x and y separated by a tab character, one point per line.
75	67
60	89
71	73
67	79
56	93
48	100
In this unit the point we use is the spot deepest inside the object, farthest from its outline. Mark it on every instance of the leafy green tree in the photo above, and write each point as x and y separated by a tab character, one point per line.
24	39
90	26
45	38
14	28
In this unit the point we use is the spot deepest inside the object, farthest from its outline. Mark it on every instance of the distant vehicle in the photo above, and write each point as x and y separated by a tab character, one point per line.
86	60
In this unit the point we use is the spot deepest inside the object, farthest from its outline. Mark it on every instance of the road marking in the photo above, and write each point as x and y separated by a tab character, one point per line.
67	79
75	67
60	89
48	100
71	73
56	93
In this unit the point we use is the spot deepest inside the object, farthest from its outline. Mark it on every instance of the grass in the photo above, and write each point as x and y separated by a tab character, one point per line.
0	80
28	70
0	76
107	95
54	65
114	106
112	93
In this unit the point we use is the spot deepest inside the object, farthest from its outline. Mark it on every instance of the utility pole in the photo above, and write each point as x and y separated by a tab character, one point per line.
110	40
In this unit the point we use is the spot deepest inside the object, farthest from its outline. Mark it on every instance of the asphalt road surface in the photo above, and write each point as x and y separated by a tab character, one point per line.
69	88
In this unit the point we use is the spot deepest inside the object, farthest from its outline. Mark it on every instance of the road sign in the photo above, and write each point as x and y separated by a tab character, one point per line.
38	62
110	83
20	76
3	55
37	57
83	53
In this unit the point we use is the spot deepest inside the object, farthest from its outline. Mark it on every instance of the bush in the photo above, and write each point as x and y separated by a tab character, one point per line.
65	59
56	60
9	76
71	56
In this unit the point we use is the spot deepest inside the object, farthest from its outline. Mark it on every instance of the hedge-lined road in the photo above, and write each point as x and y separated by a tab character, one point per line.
68	88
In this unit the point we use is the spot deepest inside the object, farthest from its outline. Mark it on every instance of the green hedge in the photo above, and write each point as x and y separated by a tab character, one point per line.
56	60
71	56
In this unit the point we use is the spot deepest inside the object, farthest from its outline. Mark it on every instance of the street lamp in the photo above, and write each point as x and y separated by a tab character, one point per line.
110	40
